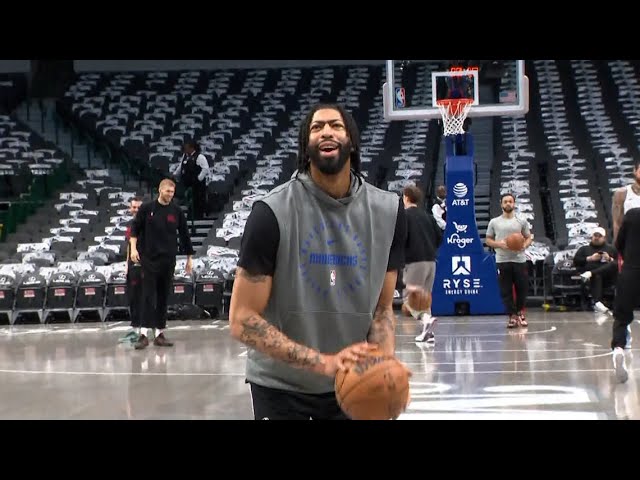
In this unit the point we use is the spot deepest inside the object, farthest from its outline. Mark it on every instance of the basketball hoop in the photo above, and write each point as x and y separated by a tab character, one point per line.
454	111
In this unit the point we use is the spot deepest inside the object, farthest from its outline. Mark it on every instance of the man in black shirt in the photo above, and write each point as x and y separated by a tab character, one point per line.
423	239
134	279
598	265
627	288
158	224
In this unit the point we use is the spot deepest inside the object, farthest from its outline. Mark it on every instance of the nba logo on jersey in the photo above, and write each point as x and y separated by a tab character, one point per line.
400	97
332	278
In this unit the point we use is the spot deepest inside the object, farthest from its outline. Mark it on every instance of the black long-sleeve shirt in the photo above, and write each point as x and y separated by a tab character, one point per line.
157	228
627	241
580	258
423	236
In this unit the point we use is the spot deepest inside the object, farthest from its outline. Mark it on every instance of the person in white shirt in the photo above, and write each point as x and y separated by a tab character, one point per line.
192	173
439	209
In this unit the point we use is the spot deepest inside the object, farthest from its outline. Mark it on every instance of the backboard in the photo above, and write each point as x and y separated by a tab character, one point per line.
412	87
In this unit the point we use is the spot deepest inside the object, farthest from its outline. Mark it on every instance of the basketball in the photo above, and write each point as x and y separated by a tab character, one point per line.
376	388
515	242
419	300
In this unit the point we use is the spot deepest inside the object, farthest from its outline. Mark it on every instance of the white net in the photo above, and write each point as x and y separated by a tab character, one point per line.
453	114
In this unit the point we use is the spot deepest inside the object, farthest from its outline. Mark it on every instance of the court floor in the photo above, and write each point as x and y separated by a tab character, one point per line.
560	367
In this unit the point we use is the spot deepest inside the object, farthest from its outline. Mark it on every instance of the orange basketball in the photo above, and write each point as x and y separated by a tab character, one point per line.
376	388
515	241
419	300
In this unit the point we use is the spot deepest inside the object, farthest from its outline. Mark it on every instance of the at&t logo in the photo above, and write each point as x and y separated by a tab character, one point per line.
460	191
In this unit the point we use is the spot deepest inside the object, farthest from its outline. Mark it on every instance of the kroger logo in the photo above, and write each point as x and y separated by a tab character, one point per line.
460	228
460	190
461	242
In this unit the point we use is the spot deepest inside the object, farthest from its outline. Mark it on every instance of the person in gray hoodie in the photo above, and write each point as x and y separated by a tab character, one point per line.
316	274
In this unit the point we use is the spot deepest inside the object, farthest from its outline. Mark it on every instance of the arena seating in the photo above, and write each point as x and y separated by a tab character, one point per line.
246	122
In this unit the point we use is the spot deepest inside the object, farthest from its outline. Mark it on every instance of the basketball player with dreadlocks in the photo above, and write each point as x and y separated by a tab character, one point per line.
625	199
316	275
627	289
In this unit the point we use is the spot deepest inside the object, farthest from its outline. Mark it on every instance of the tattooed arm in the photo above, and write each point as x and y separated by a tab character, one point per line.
248	300
251	293
617	211
382	331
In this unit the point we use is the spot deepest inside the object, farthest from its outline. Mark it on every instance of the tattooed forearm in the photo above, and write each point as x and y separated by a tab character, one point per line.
617	213
264	337
252	278
382	330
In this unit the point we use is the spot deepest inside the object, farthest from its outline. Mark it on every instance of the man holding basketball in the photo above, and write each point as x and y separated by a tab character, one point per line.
512	264
316	274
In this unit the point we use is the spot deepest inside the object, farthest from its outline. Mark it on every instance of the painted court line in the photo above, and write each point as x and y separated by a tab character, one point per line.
500	362
164	374
497	334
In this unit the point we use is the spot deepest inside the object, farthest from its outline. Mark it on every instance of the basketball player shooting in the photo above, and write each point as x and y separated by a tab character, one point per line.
316	274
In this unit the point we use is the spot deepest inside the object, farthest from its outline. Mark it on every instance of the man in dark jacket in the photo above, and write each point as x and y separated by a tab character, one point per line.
598	264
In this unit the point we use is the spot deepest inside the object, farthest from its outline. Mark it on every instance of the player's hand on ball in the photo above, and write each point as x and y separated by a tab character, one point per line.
348	355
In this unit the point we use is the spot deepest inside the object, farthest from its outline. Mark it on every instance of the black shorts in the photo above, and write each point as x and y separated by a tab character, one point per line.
274	404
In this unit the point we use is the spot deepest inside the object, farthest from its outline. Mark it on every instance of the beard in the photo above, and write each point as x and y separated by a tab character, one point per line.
329	165
507	209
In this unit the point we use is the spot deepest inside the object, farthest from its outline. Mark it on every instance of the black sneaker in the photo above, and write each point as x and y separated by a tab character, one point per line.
142	343
161	341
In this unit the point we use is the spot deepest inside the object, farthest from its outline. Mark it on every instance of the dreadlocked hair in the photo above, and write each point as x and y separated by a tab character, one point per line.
352	132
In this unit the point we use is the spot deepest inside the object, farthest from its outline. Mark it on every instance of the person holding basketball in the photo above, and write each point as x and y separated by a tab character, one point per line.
316	274
511	264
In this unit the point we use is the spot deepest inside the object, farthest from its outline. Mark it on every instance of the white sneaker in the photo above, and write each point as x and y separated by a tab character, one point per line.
600	307
586	275
619	367
428	322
